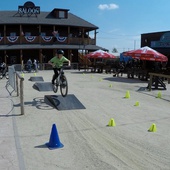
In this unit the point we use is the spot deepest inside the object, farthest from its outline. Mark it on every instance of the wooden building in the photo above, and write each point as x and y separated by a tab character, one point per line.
160	41
30	33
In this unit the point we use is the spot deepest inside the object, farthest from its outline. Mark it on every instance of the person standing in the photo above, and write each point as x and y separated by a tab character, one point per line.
35	64
29	65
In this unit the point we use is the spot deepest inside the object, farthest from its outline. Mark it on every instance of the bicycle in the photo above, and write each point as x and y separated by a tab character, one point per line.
4	73
61	81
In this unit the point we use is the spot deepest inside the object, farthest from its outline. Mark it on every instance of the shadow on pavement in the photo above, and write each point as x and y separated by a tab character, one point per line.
41	146
39	103
124	80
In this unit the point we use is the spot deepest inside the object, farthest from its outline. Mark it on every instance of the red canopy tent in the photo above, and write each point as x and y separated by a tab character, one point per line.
146	53
100	54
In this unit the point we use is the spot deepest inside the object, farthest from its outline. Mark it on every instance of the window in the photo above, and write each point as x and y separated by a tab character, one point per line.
61	14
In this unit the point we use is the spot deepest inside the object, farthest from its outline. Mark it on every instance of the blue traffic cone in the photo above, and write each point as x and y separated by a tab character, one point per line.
54	141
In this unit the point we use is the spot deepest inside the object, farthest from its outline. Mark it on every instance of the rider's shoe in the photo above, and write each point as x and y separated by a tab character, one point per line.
57	83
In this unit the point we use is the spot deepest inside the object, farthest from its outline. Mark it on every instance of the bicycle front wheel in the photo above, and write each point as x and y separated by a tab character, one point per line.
55	86
64	86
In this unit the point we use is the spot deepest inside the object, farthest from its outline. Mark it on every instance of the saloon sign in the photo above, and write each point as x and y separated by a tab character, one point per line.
29	8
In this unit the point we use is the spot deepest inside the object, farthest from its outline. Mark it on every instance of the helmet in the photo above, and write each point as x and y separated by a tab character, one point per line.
60	52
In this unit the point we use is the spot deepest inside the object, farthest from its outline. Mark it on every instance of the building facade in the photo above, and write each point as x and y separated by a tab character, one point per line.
29	33
160	41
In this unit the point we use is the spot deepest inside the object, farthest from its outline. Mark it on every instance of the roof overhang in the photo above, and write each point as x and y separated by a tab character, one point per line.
54	46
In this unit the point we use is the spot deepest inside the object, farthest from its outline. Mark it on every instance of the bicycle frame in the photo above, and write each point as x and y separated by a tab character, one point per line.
59	76
61	81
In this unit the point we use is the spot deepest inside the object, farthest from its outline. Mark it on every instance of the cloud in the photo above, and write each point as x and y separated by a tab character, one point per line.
108	6
114	30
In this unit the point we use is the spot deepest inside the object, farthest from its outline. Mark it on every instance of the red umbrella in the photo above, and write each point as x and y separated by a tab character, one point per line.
146	53
100	54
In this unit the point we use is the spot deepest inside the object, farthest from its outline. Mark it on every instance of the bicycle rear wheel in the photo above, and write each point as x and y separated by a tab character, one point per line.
64	86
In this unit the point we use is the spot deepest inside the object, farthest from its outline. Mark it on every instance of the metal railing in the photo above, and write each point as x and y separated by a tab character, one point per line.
40	40
12	78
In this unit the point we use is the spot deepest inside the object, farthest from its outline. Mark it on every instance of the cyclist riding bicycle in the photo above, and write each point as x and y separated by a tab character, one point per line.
57	62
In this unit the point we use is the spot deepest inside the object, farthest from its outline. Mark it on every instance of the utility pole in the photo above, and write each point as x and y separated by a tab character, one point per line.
134	44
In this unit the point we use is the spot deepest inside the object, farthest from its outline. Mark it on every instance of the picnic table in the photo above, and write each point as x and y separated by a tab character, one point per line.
157	80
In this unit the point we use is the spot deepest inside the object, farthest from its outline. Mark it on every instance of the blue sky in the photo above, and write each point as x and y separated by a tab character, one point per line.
120	22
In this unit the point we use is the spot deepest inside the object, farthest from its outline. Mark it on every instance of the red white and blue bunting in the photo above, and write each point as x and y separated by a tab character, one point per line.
47	38
30	38
61	39
1	38
56	35
12	38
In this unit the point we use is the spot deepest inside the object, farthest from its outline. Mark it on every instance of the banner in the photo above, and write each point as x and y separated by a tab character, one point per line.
47	38
1	38
56	35
61	39
12	38
30	38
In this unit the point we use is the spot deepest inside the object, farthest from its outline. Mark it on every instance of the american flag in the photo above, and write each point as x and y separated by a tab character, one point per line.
55	33
22	33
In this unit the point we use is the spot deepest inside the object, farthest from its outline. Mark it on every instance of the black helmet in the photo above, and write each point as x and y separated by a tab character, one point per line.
60	52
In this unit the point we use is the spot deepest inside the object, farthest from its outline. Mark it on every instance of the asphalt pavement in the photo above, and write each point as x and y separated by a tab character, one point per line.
23	138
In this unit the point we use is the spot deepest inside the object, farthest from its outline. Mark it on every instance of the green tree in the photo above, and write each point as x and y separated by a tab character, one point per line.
114	50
